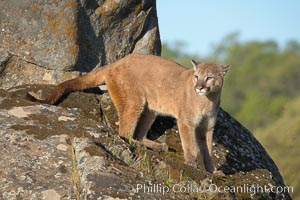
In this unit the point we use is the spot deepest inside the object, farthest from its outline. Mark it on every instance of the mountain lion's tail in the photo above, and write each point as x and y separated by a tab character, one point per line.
91	79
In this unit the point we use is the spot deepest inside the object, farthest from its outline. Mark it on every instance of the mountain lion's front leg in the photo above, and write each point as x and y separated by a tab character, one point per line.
204	134
206	150
188	141
208	157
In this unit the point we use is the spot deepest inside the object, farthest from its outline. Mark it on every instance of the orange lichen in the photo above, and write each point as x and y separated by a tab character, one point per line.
49	15
57	23
62	14
70	3
98	11
55	3
62	25
34	7
69	30
73	50
107	8
53	25
138	8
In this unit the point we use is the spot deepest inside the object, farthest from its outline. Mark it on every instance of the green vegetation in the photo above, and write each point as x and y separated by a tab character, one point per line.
262	92
282	140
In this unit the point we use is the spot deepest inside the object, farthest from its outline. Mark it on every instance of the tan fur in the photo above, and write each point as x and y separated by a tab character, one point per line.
144	86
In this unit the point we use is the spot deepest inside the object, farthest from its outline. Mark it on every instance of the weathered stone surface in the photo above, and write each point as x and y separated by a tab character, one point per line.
31	168
36	144
4	57
109	30
41	32
69	154
104	177
77	34
18	72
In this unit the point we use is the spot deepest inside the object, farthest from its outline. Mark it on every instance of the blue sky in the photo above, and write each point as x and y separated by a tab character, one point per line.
202	23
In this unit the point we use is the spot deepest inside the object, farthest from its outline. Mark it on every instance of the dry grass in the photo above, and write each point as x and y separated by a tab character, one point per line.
75	174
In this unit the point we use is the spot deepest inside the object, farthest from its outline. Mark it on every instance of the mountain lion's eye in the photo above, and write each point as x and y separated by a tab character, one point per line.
208	78
196	77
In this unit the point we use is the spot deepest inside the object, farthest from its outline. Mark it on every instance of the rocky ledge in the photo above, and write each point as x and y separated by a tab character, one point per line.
72	151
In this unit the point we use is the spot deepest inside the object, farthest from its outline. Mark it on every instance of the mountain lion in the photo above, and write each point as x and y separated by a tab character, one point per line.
144	86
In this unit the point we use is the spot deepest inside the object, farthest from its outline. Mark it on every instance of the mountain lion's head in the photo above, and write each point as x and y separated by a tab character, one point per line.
208	77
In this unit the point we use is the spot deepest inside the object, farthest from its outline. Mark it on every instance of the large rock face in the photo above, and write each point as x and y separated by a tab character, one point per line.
109	30
77	34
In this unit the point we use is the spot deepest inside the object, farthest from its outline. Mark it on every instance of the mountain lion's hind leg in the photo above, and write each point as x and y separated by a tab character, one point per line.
128	111
128	120
144	124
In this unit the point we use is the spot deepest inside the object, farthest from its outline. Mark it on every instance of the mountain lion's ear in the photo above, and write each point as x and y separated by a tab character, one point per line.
194	64
224	69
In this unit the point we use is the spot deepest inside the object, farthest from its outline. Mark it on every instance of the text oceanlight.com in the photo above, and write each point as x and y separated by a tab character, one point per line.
212	188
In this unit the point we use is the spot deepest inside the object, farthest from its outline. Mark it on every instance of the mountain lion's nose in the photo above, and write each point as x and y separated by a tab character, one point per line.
199	88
